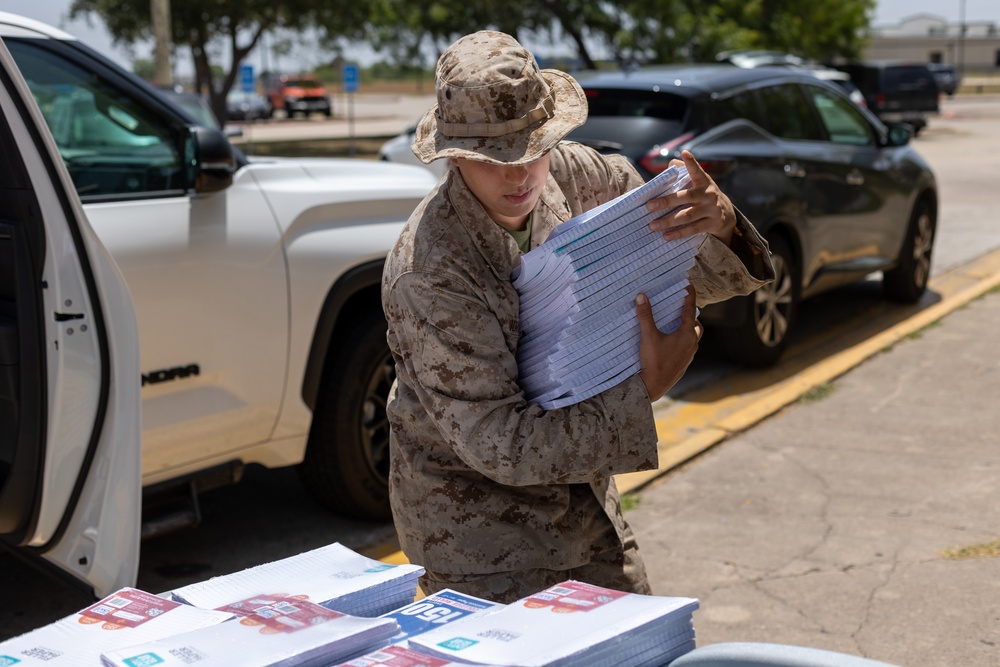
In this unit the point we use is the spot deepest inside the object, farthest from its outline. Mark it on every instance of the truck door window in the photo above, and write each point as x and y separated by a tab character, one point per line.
113	147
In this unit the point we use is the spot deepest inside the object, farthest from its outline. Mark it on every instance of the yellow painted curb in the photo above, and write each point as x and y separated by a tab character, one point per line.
688	428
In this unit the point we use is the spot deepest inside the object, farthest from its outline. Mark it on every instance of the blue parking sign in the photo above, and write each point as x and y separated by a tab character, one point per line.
246	78
350	76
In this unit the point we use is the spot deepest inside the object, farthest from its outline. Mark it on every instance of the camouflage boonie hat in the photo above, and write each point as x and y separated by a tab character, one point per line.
494	104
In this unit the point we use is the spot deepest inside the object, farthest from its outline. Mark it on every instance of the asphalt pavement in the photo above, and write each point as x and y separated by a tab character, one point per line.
863	518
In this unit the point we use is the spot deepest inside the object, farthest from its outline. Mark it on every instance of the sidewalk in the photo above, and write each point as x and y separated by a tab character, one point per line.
826	525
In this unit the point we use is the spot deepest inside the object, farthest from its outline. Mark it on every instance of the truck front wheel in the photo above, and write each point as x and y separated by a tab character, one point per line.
346	466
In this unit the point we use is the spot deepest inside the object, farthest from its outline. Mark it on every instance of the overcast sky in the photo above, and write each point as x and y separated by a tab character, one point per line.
55	12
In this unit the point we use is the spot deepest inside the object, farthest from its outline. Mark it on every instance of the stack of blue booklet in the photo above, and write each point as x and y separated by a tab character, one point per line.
579	329
572	624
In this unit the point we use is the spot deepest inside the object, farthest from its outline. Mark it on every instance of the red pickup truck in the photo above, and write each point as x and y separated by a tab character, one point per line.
298	94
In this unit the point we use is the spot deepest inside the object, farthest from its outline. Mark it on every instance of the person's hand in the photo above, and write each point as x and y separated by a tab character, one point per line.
706	207
664	358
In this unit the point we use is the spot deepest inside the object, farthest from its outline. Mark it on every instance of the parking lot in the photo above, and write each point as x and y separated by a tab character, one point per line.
267	516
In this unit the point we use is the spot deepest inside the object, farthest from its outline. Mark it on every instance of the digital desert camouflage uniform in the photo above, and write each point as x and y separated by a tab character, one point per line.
481	481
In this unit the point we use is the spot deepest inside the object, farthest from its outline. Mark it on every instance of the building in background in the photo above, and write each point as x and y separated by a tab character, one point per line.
972	47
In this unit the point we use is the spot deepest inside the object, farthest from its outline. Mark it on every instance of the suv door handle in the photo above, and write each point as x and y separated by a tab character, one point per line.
795	170
855	177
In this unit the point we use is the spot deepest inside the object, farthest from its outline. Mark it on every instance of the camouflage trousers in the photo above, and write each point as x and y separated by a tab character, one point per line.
620	568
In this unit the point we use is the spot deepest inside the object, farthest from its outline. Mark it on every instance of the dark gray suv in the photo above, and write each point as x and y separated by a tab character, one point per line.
837	193
897	91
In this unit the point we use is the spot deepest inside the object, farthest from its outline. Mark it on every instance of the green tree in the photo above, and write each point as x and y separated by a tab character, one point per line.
144	67
214	29
818	29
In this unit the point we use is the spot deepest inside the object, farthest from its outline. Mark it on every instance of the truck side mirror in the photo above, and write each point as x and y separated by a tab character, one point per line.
215	162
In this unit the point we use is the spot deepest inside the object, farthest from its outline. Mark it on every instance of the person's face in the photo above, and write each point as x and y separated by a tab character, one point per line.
507	193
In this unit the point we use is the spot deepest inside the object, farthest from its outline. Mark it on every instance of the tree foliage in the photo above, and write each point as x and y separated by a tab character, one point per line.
218	30
410	32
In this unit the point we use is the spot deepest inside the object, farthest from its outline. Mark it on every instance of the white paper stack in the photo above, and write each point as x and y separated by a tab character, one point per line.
579	330
271	630
332	576
126	617
398	655
573	623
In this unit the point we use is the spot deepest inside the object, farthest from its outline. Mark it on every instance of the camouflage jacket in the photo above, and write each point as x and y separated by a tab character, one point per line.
480	480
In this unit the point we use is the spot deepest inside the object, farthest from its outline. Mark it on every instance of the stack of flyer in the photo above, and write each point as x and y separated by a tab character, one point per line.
573	623
332	576
271	630
579	329
431	612
128	616
398	655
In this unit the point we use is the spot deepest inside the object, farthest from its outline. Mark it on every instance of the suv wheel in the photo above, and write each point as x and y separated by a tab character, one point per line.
770	313
346	466
908	280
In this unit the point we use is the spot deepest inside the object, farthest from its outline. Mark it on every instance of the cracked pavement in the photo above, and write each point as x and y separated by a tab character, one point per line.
824	526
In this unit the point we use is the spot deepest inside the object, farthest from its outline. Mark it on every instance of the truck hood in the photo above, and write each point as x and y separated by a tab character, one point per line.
338	192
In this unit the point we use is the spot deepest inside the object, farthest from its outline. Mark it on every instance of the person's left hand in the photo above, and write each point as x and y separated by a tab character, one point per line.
706	207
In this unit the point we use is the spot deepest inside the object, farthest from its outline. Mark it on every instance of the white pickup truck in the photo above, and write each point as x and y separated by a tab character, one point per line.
255	284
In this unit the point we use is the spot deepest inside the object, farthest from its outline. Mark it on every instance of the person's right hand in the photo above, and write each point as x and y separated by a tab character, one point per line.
665	357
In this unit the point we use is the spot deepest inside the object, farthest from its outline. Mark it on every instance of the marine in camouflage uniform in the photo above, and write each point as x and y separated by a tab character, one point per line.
494	496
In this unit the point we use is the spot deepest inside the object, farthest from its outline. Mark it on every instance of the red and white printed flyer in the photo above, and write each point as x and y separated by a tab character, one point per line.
128	616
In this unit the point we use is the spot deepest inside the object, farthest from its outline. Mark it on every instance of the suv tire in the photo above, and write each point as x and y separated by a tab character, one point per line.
769	314
346	466
907	281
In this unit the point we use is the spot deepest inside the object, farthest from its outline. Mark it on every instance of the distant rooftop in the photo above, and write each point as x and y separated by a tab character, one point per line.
930	25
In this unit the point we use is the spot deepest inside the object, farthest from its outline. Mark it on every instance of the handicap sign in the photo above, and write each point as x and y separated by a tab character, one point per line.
246	78
350	75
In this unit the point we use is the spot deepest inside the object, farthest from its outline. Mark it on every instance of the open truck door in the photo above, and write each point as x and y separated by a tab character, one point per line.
70	427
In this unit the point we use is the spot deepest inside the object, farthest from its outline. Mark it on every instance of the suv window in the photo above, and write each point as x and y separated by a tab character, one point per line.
843	122
908	78
663	106
111	145
787	114
741	105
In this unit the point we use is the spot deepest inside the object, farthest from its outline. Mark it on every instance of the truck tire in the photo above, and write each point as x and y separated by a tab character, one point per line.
346	466
770	314
908	280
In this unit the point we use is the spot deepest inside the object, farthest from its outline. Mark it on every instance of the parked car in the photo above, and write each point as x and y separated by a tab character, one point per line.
838	194
947	79
839	78
255	284
897	91
242	105
759	58
397	149
751	59
294	94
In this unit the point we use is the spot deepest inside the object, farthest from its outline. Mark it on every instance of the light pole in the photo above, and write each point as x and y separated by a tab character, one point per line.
961	38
